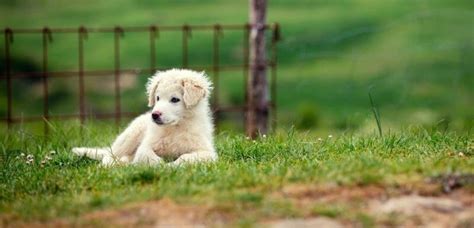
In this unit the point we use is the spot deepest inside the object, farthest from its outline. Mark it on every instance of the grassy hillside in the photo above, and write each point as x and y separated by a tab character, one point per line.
245	186
413	56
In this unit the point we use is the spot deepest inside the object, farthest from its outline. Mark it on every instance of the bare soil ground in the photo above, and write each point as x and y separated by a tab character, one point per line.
356	206
414	206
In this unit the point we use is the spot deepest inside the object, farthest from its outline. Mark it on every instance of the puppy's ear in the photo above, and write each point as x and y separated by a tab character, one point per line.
194	90
151	86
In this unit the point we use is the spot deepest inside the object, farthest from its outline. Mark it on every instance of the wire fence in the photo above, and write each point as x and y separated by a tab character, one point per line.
48	36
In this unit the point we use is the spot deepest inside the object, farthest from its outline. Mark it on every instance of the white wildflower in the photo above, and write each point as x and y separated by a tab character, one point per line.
30	159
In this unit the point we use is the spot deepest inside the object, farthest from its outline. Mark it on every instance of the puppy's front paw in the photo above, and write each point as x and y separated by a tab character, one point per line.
108	161
79	151
147	160
193	158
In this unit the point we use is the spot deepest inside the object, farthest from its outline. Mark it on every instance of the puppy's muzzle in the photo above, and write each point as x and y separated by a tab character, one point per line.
156	117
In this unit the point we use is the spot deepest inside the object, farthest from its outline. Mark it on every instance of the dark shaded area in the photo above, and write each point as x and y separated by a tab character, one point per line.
451	182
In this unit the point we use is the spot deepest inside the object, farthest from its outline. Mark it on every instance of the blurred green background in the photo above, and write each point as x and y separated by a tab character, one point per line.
415	57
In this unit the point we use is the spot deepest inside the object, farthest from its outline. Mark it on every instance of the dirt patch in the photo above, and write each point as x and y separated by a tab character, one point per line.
310	222
415	210
156	213
417	205
160	213
331	193
332	205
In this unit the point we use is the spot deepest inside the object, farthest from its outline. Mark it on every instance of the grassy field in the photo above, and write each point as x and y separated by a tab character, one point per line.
243	183
414	57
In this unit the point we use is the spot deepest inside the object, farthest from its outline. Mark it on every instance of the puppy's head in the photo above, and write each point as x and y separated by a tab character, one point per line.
173	94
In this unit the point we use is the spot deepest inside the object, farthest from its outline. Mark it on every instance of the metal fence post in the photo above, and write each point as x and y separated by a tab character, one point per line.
47	37
246	60
153	35
215	71
8	41
276	36
82	35
186	35
118	33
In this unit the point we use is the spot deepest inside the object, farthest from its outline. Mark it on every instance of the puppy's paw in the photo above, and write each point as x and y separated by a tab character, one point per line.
108	161
125	159
147	160
79	151
192	158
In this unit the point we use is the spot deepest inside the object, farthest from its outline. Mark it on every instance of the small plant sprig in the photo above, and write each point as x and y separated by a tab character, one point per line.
376	114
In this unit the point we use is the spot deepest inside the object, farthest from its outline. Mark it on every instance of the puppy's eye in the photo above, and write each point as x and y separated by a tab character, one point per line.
174	100
157	98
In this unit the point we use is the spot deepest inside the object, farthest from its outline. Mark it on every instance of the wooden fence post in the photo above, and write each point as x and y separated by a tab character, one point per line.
257	86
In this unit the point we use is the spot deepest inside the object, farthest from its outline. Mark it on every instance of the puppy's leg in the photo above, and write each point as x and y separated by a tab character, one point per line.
146	155
123	147
90	152
102	154
128	141
194	157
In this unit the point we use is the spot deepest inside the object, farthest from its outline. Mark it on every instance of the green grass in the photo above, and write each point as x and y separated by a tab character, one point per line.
414	57
240	182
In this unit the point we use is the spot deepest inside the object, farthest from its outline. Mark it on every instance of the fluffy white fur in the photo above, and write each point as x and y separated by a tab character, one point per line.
183	131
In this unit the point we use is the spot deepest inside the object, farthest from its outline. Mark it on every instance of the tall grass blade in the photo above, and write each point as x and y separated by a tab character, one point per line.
376	114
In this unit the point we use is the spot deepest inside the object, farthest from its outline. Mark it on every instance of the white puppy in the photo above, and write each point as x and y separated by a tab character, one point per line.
179	126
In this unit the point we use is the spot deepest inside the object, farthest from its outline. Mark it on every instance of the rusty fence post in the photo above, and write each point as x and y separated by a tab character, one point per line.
257	112
118	33
276	36
82	35
246	60
215	71
186	35
47	38
154	33
8	40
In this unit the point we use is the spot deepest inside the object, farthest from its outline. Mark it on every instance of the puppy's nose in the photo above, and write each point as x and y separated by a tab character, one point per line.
155	115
